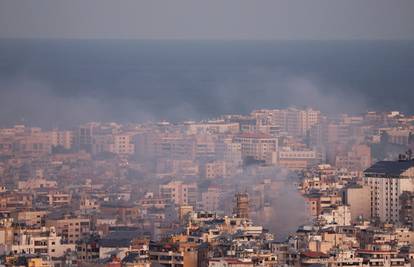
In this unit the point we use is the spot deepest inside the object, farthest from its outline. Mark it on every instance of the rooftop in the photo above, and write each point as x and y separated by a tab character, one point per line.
256	135
390	168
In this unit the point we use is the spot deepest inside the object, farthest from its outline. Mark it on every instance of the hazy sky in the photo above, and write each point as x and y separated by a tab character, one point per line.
210	19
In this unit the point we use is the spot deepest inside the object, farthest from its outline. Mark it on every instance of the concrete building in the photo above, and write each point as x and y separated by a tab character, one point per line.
387	181
210	199
407	209
43	241
292	121
174	146
71	229
229	151
214	169
123	144
358	159
296	159
336	215
180	193
358	198
257	146
30	218
65	139
36	183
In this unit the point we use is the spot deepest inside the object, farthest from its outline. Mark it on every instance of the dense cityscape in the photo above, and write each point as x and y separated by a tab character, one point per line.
276	187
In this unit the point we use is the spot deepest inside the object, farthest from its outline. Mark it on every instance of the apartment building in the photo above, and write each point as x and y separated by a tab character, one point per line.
123	144
211	198
180	193
71	229
292	121
30	217
43	241
296	159
214	169
65	139
257	146
387	181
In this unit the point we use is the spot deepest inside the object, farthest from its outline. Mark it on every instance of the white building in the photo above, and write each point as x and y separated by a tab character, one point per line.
387	181
338	215
44	241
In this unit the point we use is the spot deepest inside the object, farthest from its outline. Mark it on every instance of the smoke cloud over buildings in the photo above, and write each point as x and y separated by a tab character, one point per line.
53	83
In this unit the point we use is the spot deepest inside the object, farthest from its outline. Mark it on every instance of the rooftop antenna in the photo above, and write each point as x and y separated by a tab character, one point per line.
409	154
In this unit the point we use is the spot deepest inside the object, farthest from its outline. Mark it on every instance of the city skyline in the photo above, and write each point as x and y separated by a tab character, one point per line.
235	133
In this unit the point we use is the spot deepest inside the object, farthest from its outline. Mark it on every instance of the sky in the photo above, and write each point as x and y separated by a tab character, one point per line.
212	19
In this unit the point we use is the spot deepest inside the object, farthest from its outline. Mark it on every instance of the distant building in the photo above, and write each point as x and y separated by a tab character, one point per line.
241	209
258	146
407	209
180	193
358	198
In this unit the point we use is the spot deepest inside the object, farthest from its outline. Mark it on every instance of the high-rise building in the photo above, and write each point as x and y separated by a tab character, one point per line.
387	181
292	121
123	144
407	209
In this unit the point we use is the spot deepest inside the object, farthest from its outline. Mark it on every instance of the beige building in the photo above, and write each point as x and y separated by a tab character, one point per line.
214	169
180	193
257	146
36	183
229	151
210	199
176	168
70	229
123	144
35	217
295	159
34	142
57	199
65	139
358	159
174	146
358	198
292	121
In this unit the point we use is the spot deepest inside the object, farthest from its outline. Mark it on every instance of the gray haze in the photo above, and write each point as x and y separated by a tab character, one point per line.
56	83
212	19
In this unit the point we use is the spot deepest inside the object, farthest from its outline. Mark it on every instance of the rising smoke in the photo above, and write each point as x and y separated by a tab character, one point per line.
38	103
65	83
284	208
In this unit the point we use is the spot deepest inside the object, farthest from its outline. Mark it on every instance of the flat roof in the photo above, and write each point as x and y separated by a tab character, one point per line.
390	168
